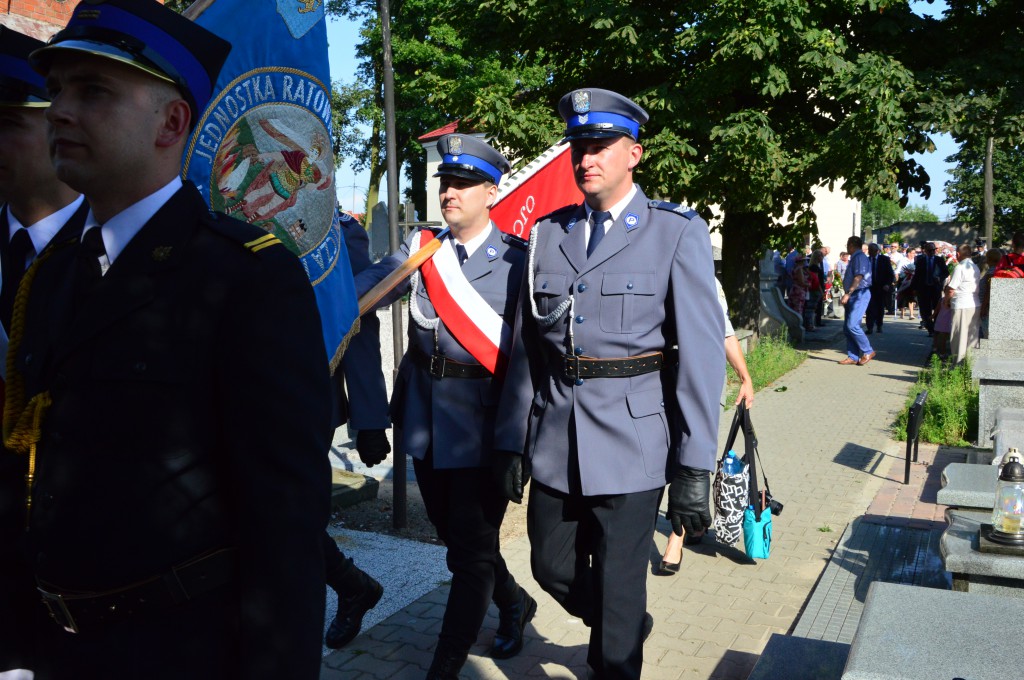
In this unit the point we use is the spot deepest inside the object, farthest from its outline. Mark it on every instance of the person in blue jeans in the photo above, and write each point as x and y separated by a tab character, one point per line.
857	282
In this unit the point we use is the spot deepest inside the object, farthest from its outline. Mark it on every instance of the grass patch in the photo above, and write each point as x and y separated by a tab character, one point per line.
951	410
771	358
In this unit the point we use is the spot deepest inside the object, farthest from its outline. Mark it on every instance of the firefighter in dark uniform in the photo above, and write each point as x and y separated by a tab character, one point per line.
35	207
170	388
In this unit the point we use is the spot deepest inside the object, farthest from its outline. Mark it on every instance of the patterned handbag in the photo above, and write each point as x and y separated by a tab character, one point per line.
730	491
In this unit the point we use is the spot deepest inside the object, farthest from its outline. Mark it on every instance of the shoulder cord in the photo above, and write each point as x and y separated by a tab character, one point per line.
567	304
22	423
414	285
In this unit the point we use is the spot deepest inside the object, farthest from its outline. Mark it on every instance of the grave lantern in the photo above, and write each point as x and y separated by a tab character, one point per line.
1008	512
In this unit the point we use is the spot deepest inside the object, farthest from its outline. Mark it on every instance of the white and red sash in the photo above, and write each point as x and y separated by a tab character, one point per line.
477	327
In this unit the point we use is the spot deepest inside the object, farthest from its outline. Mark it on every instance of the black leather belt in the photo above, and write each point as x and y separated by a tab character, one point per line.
76	610
578	367
440	366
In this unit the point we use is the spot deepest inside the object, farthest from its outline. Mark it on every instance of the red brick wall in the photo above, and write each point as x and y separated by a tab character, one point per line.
37	18
48	11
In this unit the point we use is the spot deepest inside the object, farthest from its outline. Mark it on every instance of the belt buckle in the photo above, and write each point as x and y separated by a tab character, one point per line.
571	366
58	610
437	362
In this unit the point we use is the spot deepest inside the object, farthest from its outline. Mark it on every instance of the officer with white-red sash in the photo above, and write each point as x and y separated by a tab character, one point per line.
445	402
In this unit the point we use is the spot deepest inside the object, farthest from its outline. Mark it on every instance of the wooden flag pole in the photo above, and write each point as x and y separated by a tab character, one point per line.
404	271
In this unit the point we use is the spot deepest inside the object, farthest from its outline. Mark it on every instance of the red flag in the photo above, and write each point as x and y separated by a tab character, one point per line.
545	185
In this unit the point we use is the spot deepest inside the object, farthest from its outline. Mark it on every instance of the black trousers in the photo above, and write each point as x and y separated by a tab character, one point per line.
591	554
876	307
928	300
466	509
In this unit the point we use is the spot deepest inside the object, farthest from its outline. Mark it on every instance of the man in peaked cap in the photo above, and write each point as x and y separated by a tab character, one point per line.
445	400
175	362
612	287
35	207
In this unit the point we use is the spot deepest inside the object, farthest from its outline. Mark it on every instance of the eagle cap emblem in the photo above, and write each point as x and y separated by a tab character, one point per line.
455	145
581	101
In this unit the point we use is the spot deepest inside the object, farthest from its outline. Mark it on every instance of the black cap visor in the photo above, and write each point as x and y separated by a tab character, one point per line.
463	171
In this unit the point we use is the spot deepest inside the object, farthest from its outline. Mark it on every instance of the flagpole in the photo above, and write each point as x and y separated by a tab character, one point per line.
399	519
193	11
404	271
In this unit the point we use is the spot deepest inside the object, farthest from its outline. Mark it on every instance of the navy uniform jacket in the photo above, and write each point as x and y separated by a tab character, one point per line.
649	285
367	405
190	413
454	416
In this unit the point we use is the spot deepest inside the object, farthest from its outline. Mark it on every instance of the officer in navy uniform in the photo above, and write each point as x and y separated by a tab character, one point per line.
445	401
361	399
611	287
175	360
35	207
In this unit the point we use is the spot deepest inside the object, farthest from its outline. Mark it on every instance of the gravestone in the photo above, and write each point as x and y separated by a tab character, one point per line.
775	313
999	364
380	238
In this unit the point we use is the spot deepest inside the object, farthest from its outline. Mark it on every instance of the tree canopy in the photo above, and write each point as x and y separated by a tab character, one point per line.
752	102
965	191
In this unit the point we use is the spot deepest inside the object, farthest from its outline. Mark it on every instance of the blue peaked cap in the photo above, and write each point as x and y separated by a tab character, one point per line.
148	36
470	158
591	113
19	84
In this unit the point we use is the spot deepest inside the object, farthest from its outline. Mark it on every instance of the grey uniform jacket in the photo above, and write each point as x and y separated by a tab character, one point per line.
454	416
649	284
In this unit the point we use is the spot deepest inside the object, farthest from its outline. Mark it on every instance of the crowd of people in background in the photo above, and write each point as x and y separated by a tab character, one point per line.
945	287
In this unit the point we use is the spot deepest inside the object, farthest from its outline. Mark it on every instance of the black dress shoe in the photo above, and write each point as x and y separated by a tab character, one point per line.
446	664
512	620
349	619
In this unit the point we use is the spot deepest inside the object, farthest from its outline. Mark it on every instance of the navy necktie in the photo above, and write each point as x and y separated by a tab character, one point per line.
13	271
597	230
460	252
88	269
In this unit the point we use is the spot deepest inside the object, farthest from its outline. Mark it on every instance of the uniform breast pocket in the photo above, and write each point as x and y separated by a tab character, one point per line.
549	289
628	302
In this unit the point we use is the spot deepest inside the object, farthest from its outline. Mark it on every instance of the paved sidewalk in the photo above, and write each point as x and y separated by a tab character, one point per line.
826	447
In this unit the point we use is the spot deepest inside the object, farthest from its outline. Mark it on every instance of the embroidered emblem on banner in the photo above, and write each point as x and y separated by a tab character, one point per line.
265	138
300	15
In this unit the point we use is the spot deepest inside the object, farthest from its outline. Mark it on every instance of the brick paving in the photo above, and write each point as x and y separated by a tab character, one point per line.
828	454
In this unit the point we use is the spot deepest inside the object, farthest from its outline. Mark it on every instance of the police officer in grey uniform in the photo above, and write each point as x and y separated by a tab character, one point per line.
611	287
446	394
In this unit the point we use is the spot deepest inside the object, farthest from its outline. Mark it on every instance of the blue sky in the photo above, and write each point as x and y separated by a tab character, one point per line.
343	35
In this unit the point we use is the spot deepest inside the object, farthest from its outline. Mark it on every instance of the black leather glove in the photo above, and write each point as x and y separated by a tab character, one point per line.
688	501
509	474
372	446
